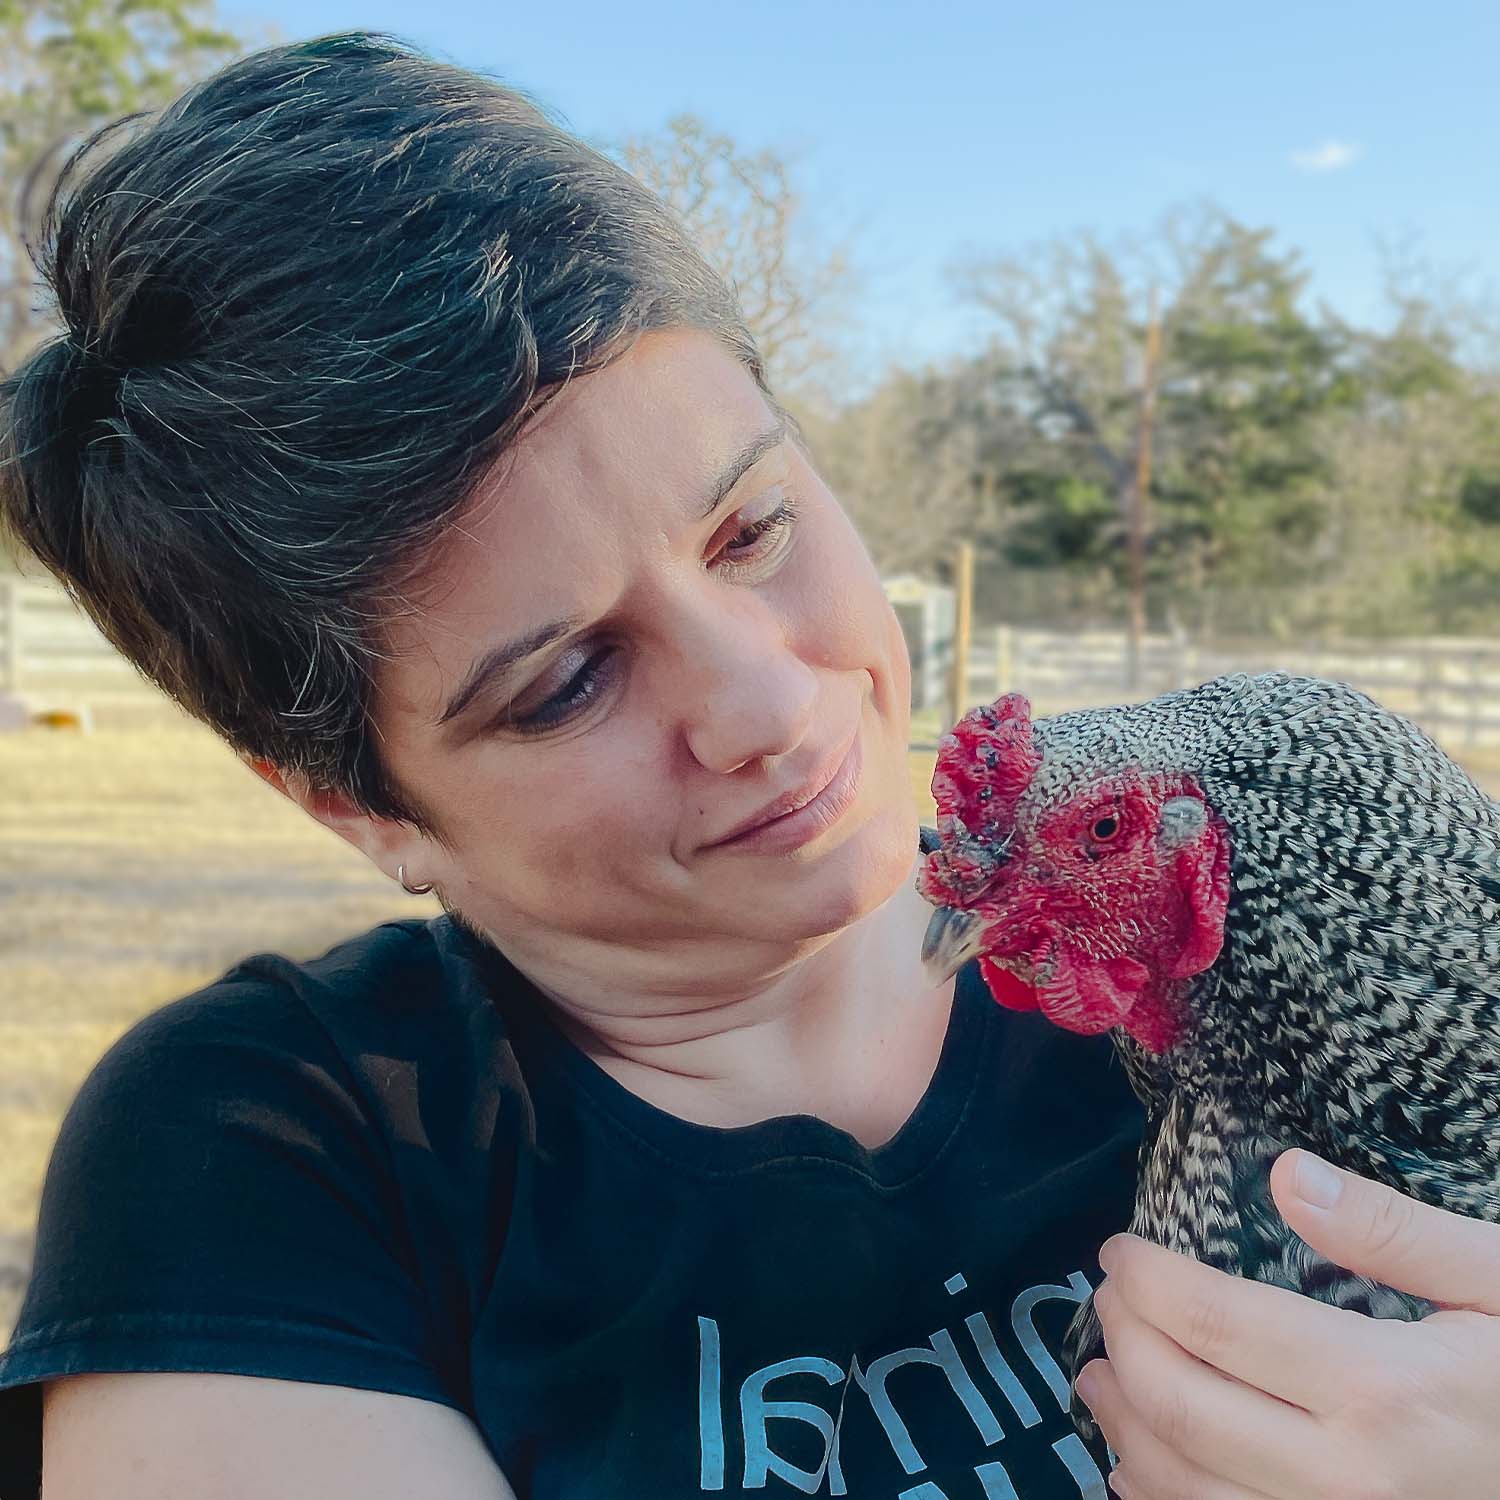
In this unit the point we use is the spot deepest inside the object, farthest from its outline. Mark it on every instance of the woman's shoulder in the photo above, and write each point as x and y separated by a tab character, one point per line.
364	1099
387	1038
390	1047
295	1171
392	1012
377	979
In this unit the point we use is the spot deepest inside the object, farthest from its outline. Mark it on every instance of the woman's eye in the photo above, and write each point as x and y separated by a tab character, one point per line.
748	546
576	694
759	536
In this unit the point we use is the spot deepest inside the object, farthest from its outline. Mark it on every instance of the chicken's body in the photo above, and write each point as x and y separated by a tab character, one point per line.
1353	1006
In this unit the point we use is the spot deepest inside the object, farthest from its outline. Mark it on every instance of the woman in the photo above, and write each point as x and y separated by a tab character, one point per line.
408	443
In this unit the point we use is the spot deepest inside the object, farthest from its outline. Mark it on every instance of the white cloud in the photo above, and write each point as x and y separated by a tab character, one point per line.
1328	156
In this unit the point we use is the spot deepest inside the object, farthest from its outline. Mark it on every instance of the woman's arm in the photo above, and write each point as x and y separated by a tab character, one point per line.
181	1436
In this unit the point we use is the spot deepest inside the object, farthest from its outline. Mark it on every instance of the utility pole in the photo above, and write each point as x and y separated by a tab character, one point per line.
1139	499
963	599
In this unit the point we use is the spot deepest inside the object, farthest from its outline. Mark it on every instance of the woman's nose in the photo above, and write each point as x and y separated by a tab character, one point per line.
746	694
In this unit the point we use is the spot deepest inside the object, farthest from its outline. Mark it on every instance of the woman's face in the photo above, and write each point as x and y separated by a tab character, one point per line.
681	664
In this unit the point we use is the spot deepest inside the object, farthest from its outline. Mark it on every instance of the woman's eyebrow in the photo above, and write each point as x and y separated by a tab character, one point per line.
500	658
748	456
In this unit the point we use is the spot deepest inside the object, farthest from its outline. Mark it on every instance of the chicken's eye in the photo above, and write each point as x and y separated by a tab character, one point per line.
1106	828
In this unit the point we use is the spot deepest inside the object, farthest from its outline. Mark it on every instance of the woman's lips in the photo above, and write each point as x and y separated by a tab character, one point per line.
789	802
792	830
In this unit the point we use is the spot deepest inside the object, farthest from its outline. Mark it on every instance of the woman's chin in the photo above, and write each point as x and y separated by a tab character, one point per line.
843	884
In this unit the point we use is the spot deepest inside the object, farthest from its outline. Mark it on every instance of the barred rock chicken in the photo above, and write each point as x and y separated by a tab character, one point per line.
1283	903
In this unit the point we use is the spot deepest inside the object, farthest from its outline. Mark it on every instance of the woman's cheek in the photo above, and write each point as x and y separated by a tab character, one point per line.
900	665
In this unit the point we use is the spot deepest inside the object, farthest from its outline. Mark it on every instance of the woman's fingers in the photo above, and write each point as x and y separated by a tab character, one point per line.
1275	1340
1148	1469
1207	1418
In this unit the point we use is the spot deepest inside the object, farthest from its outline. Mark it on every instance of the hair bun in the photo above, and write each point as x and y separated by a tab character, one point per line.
89	385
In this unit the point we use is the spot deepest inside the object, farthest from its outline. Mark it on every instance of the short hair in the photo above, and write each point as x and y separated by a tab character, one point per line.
309	304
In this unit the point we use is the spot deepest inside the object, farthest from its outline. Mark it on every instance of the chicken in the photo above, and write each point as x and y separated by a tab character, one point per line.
1283	903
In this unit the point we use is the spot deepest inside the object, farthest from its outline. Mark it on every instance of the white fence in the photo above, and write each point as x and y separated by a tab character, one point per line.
1451	686
52	656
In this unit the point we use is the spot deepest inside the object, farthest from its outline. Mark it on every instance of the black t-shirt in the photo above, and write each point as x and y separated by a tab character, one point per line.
386	1168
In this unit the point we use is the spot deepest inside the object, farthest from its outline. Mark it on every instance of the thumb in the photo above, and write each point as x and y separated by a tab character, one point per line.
1373	1230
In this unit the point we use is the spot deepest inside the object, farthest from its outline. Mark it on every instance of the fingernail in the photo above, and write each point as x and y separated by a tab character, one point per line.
1120	1486
1317	1182
1087	1386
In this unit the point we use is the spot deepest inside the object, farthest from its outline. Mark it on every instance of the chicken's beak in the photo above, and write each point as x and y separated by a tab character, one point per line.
953	938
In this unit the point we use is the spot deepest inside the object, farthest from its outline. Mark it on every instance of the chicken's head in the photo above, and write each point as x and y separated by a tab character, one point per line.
1091	896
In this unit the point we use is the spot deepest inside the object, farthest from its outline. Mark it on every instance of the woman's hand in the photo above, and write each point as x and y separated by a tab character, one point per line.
1219	1388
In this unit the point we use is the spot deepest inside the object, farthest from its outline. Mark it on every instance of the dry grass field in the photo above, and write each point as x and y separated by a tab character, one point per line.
135	866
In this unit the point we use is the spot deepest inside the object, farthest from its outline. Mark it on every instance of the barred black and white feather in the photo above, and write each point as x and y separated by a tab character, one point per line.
1355	1008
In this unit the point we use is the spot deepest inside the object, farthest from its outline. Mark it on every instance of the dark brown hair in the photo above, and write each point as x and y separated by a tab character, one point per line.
309	304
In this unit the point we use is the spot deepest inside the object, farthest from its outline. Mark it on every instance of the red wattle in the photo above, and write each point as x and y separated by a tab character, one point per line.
1008	988
1115	985
1159	1021
1203	879
1091	996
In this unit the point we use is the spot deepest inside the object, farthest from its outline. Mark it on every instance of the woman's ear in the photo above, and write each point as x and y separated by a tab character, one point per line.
267	772
384	841
295	786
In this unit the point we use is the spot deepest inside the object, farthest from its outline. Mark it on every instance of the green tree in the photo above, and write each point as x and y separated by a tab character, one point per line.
1414	464
1241	476
1243	378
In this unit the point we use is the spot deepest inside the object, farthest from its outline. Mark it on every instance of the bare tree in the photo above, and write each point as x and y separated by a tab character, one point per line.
745	215
1242	375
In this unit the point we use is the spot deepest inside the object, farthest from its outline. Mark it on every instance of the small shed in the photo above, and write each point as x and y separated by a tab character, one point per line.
927	614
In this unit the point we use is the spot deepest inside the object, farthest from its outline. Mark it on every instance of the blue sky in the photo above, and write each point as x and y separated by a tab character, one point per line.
945	130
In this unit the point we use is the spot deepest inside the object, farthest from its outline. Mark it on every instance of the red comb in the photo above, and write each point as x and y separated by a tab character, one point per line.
985	763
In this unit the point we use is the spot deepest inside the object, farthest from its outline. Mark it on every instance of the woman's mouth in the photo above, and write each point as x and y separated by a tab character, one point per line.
793	829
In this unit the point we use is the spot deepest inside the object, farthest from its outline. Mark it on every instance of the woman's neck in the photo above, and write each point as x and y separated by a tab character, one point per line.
850	1034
